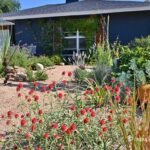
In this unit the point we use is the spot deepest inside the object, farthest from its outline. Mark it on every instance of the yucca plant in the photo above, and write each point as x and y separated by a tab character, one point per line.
5	59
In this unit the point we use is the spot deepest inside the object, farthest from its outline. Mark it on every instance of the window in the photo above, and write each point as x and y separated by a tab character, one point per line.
73	43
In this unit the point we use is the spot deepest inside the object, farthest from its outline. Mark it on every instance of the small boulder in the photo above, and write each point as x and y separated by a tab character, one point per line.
39	67
20	77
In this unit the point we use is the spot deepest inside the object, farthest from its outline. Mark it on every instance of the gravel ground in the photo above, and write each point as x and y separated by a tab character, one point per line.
8	95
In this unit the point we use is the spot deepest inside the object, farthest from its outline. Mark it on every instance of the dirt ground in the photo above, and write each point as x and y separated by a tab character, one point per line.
8	95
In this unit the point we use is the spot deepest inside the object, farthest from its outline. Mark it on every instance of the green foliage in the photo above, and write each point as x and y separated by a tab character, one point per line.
9	5
41	76
102	73
37	76
56	59
44	60
20	58
80	75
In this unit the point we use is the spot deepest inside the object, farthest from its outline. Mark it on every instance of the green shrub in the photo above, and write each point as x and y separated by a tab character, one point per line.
41	76
30	76
20	58
37	76
56	59
80	74
45	61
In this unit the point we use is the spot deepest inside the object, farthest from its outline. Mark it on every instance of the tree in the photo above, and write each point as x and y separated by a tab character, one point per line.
9	5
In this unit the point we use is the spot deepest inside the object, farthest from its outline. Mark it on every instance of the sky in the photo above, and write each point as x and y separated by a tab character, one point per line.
33	3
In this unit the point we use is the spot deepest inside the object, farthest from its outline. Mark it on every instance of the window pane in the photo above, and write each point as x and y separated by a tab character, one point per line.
82	43
69	43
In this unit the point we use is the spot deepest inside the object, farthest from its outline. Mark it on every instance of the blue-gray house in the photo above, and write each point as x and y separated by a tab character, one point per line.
128	20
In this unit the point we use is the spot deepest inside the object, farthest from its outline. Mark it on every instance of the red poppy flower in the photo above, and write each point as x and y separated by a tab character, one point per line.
8	122
125	120
109	118
28	115
19	94
73	108
31	91
38	148
50	86
9	114
36	98
118	98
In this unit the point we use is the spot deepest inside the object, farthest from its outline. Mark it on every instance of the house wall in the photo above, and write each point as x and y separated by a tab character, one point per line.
29	32
127	26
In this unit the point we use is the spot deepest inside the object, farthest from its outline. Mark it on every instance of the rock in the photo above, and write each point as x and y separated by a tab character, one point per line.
10	68
39	67
20	77
62	64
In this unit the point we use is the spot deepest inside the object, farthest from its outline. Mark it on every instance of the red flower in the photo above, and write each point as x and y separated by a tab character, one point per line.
23	122
56	136
109	118
31	91
83	111
73	108
110	111
38	148
50	86
100	133
20	85
34	120
54	125
33	128
117	89
40	112
69	74
60	95
44	88
73	127
9	114
113	80
68	131
22	116
104	129
118	98
102	122
93	114
127	90
125	111
87	109
2	116
45	135
86	120
19	94
64	82
40	121
28	115
97	89
28	135
63	127
36	98
72	142
16	115
63	73
35	84
125	120
8	122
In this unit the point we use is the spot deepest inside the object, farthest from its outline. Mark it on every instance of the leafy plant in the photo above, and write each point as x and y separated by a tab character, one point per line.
41	76
56	59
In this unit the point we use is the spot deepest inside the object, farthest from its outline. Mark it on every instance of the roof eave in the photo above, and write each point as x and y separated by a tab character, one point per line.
77	13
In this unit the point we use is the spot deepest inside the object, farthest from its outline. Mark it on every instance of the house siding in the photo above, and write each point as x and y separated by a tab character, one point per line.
125	26
128	26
